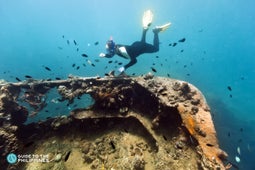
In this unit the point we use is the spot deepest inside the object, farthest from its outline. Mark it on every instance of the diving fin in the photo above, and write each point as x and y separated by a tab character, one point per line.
147	19
162	27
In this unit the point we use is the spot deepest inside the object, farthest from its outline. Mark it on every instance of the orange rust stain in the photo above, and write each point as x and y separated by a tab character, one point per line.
190	124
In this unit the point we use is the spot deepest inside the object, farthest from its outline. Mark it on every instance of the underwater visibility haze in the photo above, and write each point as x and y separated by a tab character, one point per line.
210	44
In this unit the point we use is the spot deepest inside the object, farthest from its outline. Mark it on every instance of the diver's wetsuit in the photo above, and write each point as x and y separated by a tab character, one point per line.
136	49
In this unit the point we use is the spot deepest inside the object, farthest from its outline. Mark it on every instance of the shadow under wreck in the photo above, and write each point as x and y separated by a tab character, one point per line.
141	122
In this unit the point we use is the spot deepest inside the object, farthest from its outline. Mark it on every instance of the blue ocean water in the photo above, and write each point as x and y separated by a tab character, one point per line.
218	52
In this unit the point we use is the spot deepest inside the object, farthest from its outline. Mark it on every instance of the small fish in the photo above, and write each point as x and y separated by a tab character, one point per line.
133	74
28	144
57	78
27	76
237	159
96	60
238	150
96	43
60	48
68	42
17	79
63	36
165	138
170	44
73	65
241	129
157	56
84	65
188	74
182	40
84	55
67	155
47	68
112	144
153	69
120	63
185	66
75	43
77	49
182	51
110	61
230	95
174	44
93	65
46	111
168	75
78	67
229	88
229	134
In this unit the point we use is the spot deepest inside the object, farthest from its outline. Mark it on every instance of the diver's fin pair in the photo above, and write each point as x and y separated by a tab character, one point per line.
147	19
161	28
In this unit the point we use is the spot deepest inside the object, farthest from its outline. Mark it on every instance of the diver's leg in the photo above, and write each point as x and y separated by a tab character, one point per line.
156	41
144	35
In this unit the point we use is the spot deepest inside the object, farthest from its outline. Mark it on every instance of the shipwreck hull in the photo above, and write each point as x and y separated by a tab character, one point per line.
141	122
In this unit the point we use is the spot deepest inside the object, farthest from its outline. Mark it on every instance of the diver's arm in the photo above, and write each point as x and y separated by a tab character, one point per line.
105	55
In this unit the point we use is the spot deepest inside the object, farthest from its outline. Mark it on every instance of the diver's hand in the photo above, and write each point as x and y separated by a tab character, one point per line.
102	55
121	69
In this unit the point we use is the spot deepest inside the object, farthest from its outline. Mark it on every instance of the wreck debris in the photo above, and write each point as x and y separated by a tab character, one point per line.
169	115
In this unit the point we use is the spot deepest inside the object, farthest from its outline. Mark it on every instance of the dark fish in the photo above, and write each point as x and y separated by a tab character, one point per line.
75	105
242	78
157	56
153	69
185	66
133	74
96	60
77	49
188	74
79	97
48	79
67	41
96	43
241	129
153	64
112	144
84	65
84	55
47	111
67	155
17	79
120	63
110	61
27	76
106	74
230	95
28	144
170	44
228	134
168	75
63	36
165	138
75	43
47	68
78	67
57	78
182	40
182	51
93	65
174	44
73	65
60	48
229	88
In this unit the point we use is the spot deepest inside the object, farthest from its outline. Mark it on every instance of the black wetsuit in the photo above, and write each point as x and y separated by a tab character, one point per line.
137	48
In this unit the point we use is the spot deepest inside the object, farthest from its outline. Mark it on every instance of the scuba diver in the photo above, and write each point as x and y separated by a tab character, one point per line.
137	48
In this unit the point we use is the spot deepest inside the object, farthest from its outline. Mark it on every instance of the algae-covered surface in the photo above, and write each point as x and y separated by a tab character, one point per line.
138	123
